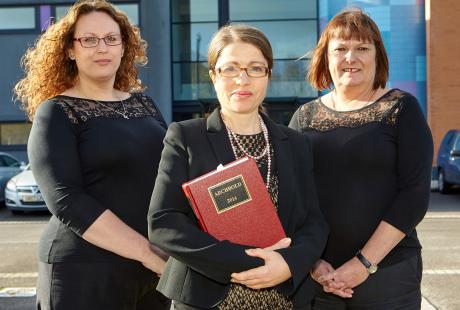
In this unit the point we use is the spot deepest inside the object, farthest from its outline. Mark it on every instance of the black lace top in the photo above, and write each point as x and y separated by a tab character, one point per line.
80	110
371	164
86	159
240	296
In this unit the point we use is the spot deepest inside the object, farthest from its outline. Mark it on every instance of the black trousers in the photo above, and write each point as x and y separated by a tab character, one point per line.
97	286
396	287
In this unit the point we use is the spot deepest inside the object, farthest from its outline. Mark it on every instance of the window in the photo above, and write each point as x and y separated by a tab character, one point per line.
194	11
290	25
193	24
244	10
14	134
191	81
9	161
288	80
292	31
457	144
131	10
17	18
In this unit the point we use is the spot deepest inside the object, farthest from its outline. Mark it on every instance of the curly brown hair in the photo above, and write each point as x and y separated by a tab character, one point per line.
49	71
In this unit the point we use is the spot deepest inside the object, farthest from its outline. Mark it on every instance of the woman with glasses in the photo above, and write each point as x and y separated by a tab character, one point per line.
202	272
94	149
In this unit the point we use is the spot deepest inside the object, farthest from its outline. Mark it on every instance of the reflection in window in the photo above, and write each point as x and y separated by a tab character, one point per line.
241	10
10	161
288	80
289	39
190	41
191	81
61	10
457	144
194	10
17	18
131	10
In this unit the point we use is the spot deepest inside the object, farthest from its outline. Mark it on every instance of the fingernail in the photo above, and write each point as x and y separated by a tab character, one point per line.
287	240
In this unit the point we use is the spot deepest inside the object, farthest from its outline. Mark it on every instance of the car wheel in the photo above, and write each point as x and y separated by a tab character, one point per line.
17	212
443	186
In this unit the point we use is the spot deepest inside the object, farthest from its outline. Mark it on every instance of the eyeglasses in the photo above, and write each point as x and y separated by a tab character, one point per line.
234	71
112	40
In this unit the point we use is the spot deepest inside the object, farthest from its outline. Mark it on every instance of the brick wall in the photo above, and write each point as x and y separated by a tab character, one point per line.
443	66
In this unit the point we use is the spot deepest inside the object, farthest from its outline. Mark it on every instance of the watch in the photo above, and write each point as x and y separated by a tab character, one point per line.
371	268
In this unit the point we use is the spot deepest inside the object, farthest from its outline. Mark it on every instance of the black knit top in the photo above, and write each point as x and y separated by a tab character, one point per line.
371	164
88	158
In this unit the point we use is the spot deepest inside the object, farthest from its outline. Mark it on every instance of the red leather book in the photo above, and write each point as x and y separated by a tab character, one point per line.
232	203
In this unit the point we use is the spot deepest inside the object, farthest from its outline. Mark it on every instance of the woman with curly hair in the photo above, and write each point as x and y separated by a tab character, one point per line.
94	148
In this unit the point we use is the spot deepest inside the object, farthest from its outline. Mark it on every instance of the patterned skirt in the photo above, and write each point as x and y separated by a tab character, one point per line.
244	298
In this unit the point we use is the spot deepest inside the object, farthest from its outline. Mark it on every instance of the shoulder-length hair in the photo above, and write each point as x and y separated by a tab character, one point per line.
351	24
48	69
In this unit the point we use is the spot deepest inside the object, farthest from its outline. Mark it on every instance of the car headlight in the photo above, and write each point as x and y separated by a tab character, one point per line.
11	186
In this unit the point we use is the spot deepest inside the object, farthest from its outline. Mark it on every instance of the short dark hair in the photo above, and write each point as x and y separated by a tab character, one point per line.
348	24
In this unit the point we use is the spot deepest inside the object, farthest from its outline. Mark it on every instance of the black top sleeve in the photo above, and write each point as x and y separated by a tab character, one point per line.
309	241
414	160
294	123
54	159
173	226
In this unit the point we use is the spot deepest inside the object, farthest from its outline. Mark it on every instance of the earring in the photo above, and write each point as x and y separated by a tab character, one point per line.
71	56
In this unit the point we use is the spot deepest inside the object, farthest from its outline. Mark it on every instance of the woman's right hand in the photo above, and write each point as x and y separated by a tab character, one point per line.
321	268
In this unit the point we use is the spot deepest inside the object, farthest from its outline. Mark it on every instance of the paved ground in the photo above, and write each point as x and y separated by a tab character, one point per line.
439	233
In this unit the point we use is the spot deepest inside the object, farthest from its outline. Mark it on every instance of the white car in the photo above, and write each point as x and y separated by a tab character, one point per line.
22	193
9	167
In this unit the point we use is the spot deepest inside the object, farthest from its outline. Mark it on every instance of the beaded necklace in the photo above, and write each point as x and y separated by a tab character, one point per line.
236	143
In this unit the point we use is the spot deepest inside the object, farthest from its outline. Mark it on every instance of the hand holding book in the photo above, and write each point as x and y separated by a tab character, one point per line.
232	203
273	272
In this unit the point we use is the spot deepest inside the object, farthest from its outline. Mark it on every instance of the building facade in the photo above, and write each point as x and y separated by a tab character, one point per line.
178	33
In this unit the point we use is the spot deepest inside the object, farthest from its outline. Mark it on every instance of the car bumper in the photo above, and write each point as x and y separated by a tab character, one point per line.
15	202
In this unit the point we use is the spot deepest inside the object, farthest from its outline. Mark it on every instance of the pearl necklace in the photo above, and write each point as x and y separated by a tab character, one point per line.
234	142
116	111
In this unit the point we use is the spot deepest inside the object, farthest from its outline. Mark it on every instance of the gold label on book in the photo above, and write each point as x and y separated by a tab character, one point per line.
229	194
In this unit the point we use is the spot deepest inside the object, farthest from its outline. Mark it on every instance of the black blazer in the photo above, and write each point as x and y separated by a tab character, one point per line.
198	272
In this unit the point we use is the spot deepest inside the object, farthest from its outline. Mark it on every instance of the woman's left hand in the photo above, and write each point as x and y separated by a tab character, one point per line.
274	272
352	273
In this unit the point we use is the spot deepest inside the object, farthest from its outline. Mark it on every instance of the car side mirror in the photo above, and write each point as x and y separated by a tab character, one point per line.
22	165
455	153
